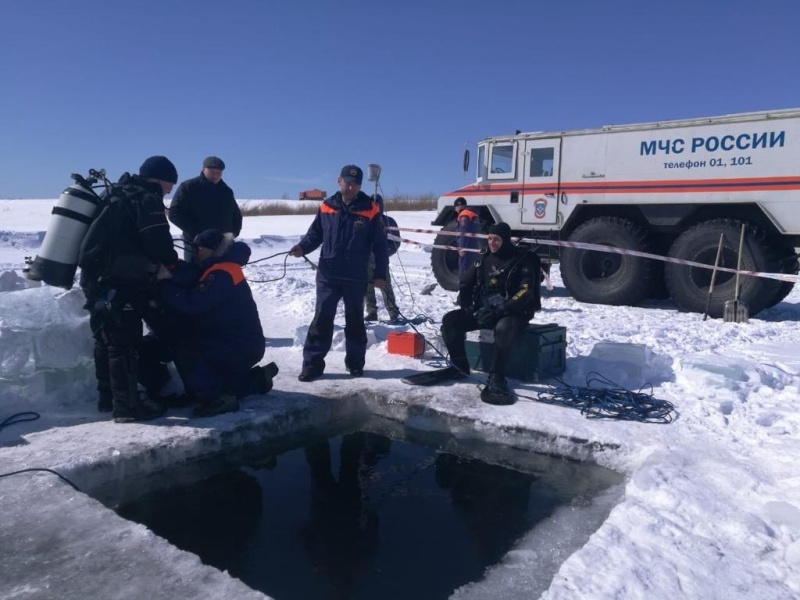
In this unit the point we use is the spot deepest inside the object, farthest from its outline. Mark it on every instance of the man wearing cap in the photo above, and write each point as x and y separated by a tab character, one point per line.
467	222
217	357
500	291
347	229
119	256
205	202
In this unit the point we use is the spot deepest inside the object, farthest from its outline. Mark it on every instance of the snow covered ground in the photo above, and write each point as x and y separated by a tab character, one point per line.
711	503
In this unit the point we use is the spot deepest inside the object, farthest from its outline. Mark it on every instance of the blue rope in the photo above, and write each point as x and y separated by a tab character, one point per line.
613	402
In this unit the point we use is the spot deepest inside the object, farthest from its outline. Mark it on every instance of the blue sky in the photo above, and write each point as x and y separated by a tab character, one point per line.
288	92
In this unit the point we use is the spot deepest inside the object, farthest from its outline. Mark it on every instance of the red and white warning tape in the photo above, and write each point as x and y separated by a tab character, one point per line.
587	246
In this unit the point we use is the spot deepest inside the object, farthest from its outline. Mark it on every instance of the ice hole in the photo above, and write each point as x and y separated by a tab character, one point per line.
376	510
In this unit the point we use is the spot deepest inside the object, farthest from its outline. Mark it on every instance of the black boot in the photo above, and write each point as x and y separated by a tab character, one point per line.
266	375
128	405
216	405
101	372
496	391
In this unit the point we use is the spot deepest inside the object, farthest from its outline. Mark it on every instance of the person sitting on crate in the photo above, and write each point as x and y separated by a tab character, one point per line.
500	291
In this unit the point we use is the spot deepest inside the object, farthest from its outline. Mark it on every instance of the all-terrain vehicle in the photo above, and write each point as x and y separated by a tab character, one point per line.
671	188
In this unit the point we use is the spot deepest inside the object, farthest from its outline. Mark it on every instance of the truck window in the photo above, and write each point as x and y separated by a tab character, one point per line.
481	162
541	162
501	159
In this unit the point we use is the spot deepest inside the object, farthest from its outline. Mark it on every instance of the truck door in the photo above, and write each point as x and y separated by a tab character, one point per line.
540	181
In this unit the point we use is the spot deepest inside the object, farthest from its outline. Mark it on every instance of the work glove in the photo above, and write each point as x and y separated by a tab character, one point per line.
163	272
486	317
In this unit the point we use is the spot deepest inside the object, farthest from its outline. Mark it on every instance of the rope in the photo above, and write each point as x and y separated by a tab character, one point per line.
608	403
252	262
20	417
42	469
286	258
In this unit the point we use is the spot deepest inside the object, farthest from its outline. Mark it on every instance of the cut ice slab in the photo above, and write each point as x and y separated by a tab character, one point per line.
628	365
637	355
38	308
781	356
43	328
729	370
16	353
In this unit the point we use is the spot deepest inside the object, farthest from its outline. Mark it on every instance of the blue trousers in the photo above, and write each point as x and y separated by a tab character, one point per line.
320	332
210	370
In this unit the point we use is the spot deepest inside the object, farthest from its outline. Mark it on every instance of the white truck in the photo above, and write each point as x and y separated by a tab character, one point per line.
669	188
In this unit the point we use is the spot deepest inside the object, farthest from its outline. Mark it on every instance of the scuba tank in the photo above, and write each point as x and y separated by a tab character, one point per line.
57	260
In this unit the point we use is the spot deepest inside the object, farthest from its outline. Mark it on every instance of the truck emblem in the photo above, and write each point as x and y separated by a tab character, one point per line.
539	208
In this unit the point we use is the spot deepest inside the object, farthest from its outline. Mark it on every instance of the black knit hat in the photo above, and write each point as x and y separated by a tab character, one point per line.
159	167
501	229
210	238
460	201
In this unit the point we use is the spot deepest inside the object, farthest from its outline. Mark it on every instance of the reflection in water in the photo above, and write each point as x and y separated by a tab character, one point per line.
215	518
492	500
355	517
342	533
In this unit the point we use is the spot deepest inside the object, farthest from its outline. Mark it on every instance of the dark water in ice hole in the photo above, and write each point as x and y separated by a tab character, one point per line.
357	516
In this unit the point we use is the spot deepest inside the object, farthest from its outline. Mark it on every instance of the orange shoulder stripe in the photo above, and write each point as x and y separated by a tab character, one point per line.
369	214
232	269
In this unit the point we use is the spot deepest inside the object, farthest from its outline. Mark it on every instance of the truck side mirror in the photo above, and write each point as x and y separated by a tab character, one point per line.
466	160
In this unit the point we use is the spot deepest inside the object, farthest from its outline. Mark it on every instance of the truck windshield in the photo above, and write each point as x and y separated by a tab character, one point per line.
502	158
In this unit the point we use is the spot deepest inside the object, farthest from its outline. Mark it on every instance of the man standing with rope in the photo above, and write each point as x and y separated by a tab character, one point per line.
348	229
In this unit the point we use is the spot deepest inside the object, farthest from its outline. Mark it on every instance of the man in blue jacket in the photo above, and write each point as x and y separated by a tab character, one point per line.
227	341
348	229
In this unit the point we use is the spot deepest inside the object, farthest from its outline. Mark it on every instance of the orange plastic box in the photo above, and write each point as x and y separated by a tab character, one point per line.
406	343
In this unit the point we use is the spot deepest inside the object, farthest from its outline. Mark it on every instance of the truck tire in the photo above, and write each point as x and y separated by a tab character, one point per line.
445	262
603	277
659	290
688	286
787	258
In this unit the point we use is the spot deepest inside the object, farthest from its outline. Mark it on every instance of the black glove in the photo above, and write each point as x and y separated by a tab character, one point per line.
486	317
